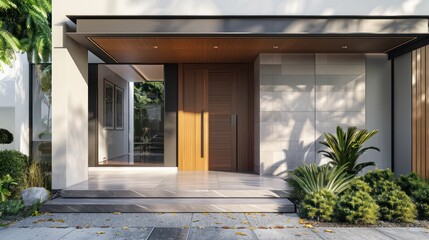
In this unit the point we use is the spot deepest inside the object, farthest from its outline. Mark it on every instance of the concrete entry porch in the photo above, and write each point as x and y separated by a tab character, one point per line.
169	190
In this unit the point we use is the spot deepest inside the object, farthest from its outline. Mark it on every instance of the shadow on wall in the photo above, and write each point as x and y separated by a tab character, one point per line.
269	7
297	109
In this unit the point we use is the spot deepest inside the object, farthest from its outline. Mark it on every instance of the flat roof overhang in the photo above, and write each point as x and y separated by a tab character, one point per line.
239	40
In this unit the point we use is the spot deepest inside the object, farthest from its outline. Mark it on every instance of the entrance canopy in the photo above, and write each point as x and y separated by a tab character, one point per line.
239	39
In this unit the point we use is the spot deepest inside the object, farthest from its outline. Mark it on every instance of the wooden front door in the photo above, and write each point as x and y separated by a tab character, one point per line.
215	118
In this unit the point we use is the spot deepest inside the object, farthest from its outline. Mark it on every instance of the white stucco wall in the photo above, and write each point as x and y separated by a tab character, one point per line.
402	114
111	143
239	7
14	102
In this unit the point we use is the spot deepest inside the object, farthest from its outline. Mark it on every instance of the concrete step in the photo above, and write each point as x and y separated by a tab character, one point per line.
134	205
175	193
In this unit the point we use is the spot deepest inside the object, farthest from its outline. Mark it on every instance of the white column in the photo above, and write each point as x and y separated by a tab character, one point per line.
69	111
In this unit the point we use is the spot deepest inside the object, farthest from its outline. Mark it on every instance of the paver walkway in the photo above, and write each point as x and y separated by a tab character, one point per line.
199	226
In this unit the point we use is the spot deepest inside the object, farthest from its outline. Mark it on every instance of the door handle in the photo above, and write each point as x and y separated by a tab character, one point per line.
202	133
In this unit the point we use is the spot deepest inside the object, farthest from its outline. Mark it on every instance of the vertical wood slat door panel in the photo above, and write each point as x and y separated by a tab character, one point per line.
427	110
420	112
414	112
222	106
190	121
221	91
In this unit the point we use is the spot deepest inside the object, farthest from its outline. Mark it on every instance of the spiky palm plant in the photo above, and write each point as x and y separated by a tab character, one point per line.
345	148
312	178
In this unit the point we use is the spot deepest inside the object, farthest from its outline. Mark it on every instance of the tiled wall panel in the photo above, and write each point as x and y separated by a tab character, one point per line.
300	97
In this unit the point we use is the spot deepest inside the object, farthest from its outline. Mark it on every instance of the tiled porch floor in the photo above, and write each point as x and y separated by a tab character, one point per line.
167	190
180	180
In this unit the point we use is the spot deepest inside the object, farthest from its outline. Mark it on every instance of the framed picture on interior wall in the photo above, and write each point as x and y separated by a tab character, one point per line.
108	105
119	108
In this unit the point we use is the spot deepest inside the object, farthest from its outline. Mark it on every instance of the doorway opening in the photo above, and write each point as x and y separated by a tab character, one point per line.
127	116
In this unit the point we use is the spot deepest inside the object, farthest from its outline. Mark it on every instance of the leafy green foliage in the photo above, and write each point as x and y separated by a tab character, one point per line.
319	205
25	26
5	187
15	164
6	137
395	205
356	205
418	190
345	148
312	178
145	95
377	179
11	207
410	183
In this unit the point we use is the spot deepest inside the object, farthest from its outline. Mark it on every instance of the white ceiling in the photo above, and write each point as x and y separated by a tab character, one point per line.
151	72
138	73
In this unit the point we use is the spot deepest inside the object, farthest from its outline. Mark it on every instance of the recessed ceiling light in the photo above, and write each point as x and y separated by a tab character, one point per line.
275	46
155	46
344	47
215	46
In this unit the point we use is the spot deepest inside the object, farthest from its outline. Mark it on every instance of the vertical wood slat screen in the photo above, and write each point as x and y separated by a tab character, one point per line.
420	112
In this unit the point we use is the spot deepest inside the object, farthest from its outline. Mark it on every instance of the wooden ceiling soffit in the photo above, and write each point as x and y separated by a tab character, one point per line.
228	50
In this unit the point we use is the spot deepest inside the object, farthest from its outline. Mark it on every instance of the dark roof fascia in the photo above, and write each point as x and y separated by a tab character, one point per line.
74	18
408	47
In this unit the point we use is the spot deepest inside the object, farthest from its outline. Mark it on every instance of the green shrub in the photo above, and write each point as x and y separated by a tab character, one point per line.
418	190
410	183
356	205
318	205
11	207
13	163
396	206
376	177
312	178
6	137
345	148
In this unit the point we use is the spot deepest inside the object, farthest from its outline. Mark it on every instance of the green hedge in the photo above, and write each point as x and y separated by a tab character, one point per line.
6	137
14	163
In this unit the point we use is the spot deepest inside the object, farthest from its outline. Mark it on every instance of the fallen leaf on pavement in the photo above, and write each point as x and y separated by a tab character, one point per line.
308	225
240	233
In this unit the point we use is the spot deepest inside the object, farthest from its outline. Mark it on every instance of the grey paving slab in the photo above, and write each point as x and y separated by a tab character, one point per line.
288	233
108	234
107	219
352	234
44	233
219	234
169	234
220	220
273	219
406	233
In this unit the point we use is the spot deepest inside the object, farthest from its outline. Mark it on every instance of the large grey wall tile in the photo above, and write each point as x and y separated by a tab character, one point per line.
340	83
297	101
270	69
298	69
340	59
270	101
340	69
270	58
297	58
